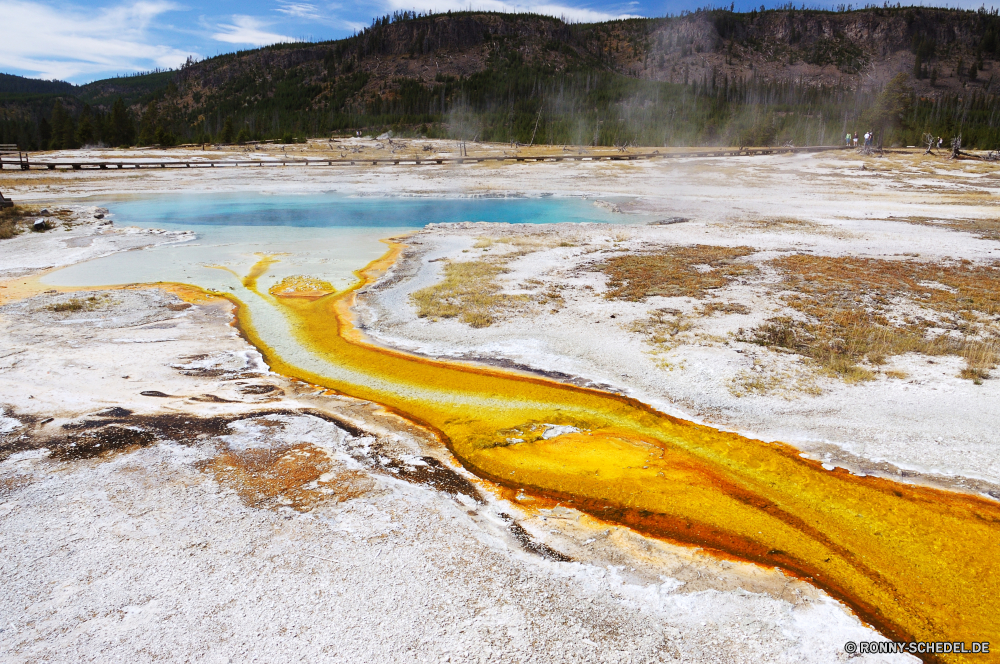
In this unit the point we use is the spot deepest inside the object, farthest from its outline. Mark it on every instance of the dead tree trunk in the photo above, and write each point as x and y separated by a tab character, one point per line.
956	147
929	140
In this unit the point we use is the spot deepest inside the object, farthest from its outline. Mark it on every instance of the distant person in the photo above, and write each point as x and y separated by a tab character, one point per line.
848	143
855	139
940	142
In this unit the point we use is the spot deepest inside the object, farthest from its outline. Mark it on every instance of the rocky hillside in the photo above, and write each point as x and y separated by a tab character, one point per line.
825	48
700	77
849	49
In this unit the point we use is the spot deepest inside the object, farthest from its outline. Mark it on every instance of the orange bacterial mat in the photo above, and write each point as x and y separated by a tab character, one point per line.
914	562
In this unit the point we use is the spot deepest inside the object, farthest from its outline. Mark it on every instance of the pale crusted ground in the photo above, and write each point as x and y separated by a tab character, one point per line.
928	420
379	551
77	234
358	540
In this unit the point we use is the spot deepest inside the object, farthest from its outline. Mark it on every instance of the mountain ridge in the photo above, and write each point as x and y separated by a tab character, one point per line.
460	73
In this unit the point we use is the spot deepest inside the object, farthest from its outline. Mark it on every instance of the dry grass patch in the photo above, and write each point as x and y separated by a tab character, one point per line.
15	220
760	379
712	308
513	246
675	271
8	229
11	220
980	357
847	319
470	292
664	330
985	229
549	295
777	223
76	304
662	327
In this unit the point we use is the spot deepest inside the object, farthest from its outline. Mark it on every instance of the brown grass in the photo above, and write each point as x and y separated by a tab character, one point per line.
712	308
846	320
980	357
15	220
760	379
674	271
76	304
777	223
299	477
10	221
470	292
662	327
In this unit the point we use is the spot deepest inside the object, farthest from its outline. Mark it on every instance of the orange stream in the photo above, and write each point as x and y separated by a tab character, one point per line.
914	562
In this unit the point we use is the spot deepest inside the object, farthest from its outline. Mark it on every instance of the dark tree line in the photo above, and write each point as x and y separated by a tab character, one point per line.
516	101
62	129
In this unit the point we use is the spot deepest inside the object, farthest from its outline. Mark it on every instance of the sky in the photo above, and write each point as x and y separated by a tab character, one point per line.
83	41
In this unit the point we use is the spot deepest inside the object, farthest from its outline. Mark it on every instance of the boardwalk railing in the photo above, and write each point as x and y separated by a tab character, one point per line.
24	164
11	149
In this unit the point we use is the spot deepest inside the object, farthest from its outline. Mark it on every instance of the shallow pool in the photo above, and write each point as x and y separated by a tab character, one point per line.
326	236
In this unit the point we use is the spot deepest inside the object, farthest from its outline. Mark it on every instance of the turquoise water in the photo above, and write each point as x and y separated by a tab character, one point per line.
326	236
323	236
339	211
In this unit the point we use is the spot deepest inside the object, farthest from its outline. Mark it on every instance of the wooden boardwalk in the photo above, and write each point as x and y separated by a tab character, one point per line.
24	164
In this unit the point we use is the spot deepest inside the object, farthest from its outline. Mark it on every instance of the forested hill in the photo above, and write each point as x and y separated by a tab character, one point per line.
17	85
706	77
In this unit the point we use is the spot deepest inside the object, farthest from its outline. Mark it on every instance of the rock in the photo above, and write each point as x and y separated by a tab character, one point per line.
44	211
610	207
99	215
667	222
40	225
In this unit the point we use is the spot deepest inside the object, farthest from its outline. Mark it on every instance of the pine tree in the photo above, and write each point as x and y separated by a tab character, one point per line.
44	133
163	137
85	132
60	120
147	126
891	107
122	130
227	131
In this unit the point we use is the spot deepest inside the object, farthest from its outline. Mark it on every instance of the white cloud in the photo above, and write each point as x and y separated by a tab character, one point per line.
248	30
578	14
69	42
328	16
298	10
